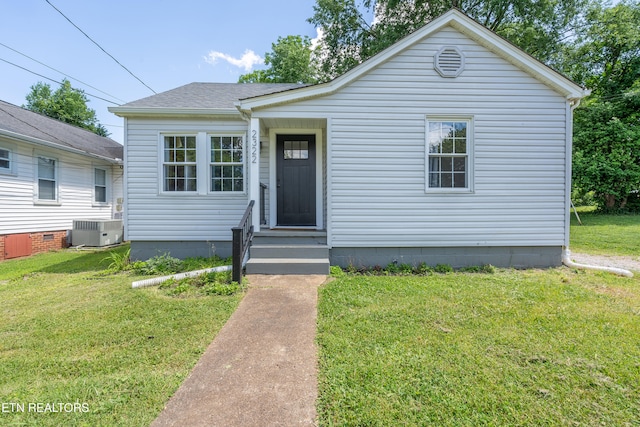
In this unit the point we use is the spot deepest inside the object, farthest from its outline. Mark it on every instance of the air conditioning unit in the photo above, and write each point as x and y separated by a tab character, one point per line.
100	232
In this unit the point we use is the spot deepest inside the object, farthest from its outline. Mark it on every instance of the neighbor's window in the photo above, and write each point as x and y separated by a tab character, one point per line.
179	166
5	160
47	179
448	149
227	163
100	185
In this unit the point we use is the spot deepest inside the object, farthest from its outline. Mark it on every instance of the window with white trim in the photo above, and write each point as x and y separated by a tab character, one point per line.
227	164
179	163
5	160
448	152
47	179
100	185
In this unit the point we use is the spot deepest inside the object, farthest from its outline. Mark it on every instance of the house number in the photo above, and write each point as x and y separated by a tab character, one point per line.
254	146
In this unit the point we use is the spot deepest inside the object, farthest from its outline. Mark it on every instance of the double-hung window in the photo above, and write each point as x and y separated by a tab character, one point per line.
448	154
100	186
227	163
5	160
179	165
47	179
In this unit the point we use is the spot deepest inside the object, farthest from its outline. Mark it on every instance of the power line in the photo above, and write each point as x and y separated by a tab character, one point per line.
55	81
100	47
61	72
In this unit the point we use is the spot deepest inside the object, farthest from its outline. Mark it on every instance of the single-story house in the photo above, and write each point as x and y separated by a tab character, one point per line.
451	146
52	173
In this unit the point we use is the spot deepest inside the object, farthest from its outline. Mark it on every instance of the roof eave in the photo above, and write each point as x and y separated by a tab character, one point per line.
29	139
171	111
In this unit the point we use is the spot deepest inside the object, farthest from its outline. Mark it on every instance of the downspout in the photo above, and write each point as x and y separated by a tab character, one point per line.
566	253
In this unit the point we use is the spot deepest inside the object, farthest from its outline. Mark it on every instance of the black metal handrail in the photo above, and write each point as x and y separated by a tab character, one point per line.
263	204
242	235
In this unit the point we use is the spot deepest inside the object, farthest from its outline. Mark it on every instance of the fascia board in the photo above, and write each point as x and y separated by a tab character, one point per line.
163	111
18	137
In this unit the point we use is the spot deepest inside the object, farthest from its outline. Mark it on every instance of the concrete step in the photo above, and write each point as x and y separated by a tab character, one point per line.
289	251
287	266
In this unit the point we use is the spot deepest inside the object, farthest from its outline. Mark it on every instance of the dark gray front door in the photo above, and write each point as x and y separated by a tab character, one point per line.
296	176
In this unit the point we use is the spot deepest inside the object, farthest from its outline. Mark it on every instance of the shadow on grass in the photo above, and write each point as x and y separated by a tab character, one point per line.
89	262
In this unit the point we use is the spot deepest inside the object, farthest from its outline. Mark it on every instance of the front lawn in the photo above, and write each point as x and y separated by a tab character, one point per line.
513	348
78	346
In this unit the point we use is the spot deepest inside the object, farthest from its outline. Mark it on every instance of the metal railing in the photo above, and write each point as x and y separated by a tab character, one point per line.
263	204
242	235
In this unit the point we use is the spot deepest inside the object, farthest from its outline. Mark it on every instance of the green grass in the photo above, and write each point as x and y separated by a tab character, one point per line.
73	333
606	234
528	348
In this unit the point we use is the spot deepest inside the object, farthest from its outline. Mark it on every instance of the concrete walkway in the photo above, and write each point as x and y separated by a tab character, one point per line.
261	369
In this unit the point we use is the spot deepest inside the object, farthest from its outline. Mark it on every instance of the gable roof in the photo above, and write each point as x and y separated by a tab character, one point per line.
195	98
455	19
21	124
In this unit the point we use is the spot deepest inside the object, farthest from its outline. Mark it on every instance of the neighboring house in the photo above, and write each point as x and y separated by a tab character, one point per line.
451	146
52	173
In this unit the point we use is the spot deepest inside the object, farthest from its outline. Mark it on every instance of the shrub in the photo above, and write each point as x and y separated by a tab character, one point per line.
443	268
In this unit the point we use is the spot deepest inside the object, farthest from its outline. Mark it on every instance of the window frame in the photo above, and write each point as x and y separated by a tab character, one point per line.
211	163
469	155
10	170
106	186
55	179
162	163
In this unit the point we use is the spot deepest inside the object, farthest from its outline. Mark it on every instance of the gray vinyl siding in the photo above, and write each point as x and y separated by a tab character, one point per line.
377	143
156	216
20	212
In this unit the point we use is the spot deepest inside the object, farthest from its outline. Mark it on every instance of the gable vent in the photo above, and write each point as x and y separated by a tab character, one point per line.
449	61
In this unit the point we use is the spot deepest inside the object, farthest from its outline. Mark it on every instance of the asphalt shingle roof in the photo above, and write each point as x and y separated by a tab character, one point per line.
210	95
24	122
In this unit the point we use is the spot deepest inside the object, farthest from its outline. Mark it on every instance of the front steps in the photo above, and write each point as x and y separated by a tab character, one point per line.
288	252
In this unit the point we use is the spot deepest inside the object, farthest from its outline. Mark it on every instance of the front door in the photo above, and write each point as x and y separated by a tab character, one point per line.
296	180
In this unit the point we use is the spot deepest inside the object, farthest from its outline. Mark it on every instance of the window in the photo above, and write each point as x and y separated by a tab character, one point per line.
5	160
179	163
47	179
227	163
100	185
296	150
448	148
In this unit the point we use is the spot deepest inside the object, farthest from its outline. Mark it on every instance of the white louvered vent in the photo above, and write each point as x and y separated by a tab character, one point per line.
449	61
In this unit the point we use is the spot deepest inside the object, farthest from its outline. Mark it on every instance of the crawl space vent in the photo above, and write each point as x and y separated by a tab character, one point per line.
449	61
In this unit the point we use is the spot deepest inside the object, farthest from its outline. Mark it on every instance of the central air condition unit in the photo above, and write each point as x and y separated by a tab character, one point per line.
100	232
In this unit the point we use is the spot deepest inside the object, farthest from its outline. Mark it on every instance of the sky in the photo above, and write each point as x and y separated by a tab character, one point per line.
165	44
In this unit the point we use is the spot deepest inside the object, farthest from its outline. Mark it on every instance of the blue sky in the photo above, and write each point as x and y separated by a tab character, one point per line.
164	43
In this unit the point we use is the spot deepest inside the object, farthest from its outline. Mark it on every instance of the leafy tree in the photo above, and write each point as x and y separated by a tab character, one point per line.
607	127
288	62
539	27
607	149
66	104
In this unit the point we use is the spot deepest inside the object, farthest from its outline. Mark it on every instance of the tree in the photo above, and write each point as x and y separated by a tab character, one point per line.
607	128
288	62
607	149
66	104
538	27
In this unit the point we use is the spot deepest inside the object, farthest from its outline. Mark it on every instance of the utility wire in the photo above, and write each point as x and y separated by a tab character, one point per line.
100	47
61	72
55	81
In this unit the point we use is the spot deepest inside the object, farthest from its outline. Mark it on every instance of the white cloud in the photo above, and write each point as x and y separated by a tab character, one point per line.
318	38
247	61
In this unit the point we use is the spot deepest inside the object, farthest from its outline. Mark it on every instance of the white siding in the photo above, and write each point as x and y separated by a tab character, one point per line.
154	216
21	213
377	143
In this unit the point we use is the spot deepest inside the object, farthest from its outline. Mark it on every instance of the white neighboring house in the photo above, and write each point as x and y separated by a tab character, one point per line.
451	146
52	173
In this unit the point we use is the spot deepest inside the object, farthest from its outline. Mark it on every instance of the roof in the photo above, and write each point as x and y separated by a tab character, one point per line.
22	124
217	96
453	18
